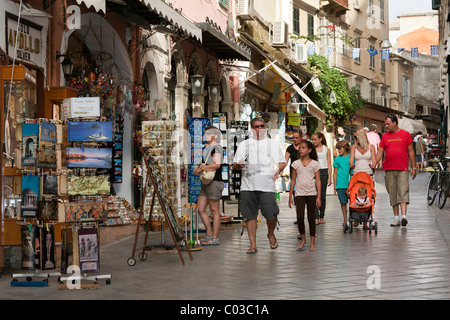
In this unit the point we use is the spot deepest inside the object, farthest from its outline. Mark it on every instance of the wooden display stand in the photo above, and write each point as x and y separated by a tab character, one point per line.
171	222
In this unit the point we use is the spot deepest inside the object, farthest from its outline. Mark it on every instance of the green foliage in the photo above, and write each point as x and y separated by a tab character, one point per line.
347	100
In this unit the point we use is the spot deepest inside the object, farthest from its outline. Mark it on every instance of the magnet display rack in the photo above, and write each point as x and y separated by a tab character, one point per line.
159	192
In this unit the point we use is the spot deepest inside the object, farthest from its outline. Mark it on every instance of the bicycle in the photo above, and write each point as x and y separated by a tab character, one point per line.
439	181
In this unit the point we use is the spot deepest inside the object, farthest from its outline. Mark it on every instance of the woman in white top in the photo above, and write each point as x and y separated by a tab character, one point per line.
324	158
362	154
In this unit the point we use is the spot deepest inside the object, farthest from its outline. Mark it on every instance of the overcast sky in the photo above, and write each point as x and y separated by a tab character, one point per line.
397	7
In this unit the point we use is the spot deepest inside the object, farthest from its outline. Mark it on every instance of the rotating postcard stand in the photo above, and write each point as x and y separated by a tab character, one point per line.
160	192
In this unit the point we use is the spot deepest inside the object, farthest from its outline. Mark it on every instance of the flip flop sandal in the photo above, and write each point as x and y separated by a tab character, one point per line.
252	251
274	245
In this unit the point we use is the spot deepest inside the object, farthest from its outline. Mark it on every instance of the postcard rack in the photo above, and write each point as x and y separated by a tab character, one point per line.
158	191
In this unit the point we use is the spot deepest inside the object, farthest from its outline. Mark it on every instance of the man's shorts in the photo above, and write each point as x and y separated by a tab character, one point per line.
251	201
419	158
397	185
342	195
212	191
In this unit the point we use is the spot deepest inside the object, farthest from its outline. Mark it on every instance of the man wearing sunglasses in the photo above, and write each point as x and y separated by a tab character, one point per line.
261	161
396	144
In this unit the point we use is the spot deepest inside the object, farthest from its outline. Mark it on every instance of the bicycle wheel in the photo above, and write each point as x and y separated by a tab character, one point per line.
443	192
432	188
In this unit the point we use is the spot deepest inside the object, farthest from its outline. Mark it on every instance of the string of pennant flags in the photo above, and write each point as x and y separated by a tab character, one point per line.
385	53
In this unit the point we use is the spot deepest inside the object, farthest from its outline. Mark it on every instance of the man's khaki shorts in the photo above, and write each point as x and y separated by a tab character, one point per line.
397	185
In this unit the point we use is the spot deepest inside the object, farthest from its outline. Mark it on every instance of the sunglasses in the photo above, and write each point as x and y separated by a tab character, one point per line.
258	126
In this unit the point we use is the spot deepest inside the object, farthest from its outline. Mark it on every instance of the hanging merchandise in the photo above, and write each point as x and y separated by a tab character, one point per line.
196	129
30	140
29	245
88	250
30	196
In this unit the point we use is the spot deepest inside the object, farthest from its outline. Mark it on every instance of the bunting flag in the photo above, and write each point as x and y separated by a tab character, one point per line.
311	50
329	50
372	52
434	50
385	54
415	52
355	53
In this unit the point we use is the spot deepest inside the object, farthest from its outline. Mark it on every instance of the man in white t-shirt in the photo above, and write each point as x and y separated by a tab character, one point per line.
261	161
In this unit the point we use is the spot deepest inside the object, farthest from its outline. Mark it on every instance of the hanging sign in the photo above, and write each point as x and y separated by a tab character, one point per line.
24	40
81	107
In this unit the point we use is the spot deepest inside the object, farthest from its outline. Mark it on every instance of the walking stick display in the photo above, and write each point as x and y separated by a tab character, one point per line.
159	191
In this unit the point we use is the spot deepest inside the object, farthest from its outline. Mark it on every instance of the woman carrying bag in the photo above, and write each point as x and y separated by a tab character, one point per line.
211	191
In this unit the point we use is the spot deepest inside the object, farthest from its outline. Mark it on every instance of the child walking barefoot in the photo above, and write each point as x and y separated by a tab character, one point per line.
306	174
341	176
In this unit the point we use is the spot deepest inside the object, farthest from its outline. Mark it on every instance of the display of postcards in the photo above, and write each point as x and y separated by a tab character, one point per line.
47	248
89	185
117	162
88	250
47	158
86	210
28	236
89	158
118	146
100	131
47	210
30	140
50	184
47	132
30	196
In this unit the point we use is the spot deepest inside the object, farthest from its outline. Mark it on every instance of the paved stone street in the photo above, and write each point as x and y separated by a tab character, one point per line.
411	262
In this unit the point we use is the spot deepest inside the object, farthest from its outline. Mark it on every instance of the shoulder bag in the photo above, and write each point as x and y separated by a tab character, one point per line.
206	177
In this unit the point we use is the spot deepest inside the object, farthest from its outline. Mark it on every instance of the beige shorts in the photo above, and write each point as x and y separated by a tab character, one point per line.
397	185
212	191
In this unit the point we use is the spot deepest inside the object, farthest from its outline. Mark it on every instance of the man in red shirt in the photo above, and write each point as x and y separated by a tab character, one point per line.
398	152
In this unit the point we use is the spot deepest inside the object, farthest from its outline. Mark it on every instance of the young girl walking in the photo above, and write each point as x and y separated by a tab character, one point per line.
341	176
306	174
324	158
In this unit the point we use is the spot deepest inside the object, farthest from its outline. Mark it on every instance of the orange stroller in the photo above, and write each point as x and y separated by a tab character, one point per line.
361	214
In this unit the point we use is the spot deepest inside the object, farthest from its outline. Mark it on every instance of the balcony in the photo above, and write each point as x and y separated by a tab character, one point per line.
334	7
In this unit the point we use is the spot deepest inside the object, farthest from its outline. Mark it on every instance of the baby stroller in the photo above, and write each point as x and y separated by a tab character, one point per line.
358	214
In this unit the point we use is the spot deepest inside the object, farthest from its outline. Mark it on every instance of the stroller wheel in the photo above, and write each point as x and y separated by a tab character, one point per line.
375	227
345	227
350	226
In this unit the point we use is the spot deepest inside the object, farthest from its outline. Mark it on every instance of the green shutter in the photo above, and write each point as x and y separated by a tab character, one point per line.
436	4
224	3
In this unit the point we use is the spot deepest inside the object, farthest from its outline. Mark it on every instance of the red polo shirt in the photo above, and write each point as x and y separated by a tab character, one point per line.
395	145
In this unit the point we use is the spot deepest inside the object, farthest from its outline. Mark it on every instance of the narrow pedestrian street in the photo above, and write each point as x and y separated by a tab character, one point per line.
397	263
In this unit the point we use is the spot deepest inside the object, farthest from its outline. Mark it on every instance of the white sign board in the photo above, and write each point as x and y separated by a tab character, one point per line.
81	107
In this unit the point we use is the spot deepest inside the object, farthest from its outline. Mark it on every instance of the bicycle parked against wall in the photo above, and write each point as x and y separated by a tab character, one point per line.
439	182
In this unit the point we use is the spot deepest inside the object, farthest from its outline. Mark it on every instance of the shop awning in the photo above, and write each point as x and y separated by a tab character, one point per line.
174	18
153	11
224	47
411	125
312	108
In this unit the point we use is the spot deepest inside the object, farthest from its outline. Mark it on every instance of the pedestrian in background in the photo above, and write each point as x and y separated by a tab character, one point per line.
324	158
341	175
420	150
396	145
212	193
374	139
306	172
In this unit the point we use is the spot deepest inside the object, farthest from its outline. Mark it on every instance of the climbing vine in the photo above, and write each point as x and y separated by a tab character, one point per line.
348	100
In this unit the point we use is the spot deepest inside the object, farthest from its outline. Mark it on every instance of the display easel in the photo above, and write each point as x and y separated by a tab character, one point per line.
158	188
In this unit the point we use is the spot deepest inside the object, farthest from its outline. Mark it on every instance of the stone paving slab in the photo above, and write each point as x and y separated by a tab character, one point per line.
413	262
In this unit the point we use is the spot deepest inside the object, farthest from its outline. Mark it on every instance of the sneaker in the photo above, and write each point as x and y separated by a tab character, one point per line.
396	223
404	221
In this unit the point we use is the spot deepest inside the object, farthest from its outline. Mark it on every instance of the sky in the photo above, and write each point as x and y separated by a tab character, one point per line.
397	7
